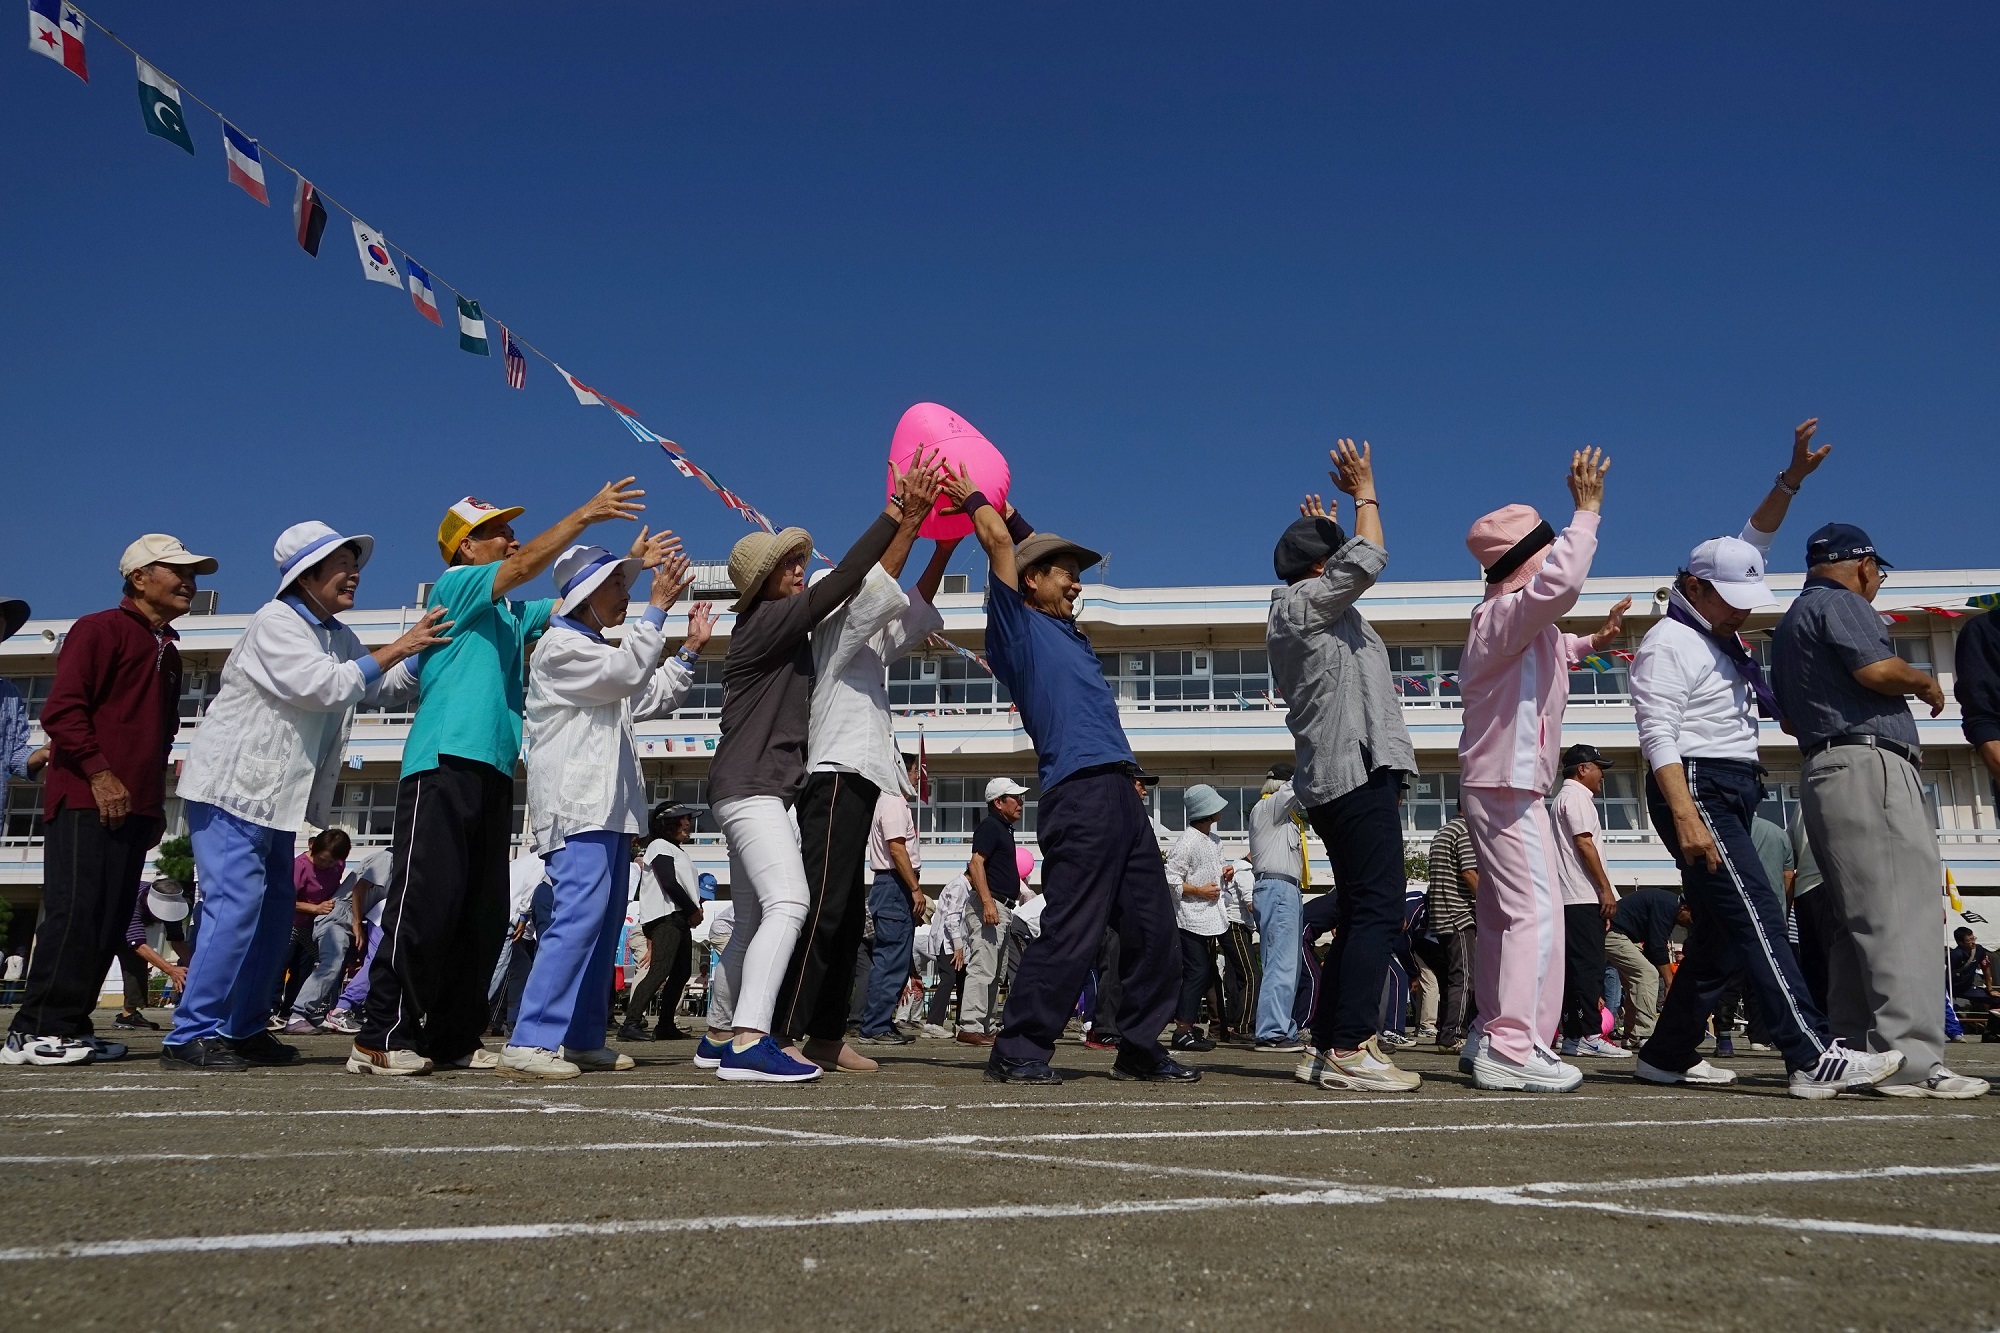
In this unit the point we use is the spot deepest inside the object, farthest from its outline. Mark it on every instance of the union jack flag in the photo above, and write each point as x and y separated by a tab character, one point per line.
517	365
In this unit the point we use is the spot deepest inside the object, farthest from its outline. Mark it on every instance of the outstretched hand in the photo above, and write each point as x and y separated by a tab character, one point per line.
1805	458
652	549
617	499
1586	479
1312	508
958	485
1353	470
671	578
917	487
701	624
1614	625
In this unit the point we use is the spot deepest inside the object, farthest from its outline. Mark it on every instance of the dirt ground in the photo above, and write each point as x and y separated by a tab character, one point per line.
923	1197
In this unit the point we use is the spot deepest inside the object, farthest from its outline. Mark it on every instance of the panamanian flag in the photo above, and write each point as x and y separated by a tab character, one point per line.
422	294
246	166
55	29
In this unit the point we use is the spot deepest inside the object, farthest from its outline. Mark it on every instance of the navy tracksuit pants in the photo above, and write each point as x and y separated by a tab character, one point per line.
1101	866
1739	926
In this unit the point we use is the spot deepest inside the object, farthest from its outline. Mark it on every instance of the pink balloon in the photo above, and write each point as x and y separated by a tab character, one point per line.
1609	1021
932	426
1024	861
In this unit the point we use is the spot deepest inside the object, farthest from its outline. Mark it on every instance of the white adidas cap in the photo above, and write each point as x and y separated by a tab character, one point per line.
1735	569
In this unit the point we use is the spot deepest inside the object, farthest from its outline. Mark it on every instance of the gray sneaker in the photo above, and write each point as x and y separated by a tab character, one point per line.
1944	1085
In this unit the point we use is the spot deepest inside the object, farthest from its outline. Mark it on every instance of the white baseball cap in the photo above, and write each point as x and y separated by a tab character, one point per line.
999	787
157	548
304	545
1735	569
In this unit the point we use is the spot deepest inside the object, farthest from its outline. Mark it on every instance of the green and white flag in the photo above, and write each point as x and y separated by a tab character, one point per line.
472	328
160	102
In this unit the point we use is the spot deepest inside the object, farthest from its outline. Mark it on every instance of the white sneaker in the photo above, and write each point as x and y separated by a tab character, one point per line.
1599	1047
389	1064
21	1050
342	1021
1701	1073
1367	1070
1844	1069
1428	1032
533	1062
1542	1072
1311	1064
1943	1085
476	1058
937	1032
603	1060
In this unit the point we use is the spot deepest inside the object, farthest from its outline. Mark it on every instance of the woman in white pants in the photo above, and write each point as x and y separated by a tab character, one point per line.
586	794
760	766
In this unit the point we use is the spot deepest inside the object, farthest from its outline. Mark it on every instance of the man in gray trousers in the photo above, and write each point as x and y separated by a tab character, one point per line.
1841	690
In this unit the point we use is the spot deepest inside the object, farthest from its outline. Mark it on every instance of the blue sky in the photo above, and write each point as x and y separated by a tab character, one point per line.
1162	254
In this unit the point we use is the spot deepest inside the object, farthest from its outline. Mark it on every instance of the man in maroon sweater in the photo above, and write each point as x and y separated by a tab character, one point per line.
111	716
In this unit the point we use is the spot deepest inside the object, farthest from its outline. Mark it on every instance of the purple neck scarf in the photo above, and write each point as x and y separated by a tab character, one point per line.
1732	647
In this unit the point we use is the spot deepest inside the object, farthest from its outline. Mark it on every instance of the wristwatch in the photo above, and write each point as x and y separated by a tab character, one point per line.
1784	485
687	657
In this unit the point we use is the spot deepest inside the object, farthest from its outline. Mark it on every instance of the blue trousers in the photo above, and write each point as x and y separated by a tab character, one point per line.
567	1000
246	925
889	958
1277	906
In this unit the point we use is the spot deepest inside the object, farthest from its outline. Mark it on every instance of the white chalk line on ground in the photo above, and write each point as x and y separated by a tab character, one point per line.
1338	1195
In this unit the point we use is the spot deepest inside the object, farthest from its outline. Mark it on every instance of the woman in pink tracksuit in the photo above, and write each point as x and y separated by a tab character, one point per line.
1515	681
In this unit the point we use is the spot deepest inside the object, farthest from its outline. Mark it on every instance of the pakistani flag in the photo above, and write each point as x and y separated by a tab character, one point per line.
472	328
160	103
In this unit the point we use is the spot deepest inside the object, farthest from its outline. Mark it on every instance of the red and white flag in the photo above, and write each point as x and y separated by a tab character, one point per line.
517	365
55	29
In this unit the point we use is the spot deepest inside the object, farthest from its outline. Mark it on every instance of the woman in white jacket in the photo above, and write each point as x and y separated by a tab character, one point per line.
265	760
586	795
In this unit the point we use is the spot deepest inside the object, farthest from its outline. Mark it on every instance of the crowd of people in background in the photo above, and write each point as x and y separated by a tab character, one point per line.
1512	950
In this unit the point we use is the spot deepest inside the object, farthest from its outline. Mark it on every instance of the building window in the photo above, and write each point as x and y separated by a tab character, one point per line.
1781	799
958	804
1176	680
1610	685
366	809
34	692
944	684
1620	804
198	689
704	697
1430	803
1916	651
22	811
1426	674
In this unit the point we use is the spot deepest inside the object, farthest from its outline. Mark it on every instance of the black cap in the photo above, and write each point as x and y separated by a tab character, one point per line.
1280	772
1841	541
1584	754
664	812
1145	779
1305	543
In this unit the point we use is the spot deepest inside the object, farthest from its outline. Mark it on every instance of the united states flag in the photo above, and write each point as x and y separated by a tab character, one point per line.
517	365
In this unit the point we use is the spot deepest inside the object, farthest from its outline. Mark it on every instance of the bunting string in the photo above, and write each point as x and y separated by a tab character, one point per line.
56	28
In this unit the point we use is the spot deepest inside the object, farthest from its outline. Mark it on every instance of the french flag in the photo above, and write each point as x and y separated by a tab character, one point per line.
422	294
246	166
55	29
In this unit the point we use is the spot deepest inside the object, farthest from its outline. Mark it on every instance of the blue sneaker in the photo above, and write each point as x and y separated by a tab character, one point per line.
766	1062
708	1054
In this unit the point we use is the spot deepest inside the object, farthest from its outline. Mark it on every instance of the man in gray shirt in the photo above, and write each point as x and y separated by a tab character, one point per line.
1354	755
1841	687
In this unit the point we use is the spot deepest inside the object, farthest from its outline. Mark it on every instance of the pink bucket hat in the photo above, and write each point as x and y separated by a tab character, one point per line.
1510	544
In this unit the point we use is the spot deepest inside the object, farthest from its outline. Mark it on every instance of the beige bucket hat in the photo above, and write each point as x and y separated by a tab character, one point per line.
752	560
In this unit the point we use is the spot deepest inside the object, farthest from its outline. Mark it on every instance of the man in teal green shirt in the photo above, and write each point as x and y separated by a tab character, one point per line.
446	914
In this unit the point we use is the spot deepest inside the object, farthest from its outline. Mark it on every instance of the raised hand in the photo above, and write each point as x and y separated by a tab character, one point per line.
701	624
958	485
617	499
1586	479
671	578
1353	470
1805	458
653	549
1312	508
917	487
1614	625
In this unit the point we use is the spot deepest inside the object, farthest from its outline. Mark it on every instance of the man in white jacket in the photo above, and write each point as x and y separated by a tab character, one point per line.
586	794
265	760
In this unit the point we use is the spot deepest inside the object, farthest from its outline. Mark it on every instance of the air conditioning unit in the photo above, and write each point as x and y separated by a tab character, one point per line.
956	583
424	594
203	603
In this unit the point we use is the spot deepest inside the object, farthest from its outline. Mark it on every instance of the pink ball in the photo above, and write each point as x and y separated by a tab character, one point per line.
932	426
1024	861
1607	1021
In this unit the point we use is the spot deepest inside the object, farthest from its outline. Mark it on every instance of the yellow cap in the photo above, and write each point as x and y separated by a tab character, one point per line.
463	517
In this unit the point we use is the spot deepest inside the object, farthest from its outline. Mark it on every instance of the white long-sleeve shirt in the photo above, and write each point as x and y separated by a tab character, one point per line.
1690	701
851	729
584	694
1196	859
951	910
270	748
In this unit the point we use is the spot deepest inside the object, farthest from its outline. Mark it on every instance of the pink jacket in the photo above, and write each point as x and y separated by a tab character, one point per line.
1514	676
